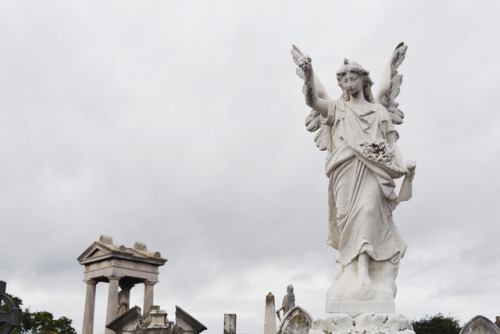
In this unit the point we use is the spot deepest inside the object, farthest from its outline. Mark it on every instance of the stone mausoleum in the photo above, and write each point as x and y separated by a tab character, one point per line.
123	268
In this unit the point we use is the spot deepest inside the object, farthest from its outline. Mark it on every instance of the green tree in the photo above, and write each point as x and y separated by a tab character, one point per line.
437	324
41	322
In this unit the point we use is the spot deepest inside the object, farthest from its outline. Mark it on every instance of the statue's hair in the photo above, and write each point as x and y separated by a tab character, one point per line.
365	77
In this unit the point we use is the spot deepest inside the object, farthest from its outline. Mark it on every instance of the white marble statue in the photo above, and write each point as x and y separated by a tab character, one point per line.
357	132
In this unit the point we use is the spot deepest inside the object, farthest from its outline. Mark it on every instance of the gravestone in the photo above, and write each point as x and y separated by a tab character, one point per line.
480	325
296	321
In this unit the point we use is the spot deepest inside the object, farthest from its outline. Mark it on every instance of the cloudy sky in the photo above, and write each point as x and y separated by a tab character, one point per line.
181	124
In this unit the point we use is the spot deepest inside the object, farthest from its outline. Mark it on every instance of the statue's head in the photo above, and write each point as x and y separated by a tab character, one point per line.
364	75
289	289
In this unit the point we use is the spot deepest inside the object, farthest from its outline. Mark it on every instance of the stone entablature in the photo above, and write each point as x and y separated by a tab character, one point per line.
99	271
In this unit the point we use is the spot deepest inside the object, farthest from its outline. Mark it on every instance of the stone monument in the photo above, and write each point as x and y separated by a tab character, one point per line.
125	267
122	268
269	315
358	133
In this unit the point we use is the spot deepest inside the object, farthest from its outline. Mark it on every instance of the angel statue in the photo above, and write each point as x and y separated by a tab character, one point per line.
357	132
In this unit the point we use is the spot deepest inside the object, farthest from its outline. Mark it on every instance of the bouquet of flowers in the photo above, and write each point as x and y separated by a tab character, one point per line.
379	151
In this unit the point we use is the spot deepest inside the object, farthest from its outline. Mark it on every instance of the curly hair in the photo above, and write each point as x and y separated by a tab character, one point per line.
365	78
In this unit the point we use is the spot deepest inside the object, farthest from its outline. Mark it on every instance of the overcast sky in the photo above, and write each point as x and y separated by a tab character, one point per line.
181	124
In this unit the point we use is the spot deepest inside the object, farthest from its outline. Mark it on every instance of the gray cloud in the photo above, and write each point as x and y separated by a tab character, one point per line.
181	125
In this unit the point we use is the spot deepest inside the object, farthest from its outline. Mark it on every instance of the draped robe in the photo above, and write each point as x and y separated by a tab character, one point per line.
361	189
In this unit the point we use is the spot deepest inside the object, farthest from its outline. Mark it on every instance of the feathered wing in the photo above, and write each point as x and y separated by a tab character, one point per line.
314	122
390	84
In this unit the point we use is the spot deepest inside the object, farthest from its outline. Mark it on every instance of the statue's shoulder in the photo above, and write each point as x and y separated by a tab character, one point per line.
339	104
381	109
378	106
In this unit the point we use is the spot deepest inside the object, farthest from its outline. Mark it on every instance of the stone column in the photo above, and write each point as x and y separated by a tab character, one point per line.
148	296
88	315
270	315
112	310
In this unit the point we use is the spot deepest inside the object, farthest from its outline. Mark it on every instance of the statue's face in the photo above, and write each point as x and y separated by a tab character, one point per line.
352	83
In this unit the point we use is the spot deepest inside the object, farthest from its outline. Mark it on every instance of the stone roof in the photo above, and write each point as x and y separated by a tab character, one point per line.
104	249
186	322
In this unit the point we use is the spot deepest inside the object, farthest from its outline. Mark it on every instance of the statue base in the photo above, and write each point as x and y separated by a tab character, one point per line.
365	323
348	295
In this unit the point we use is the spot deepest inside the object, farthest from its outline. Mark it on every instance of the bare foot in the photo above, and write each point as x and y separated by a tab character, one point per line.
364	275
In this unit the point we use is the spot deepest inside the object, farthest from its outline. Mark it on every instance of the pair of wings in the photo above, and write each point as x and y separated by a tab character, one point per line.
390	86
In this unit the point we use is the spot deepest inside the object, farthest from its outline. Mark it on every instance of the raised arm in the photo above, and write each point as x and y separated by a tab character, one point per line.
310	91
315	94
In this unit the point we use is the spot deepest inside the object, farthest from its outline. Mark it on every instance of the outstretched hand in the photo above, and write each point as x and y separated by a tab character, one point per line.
306	66
303	62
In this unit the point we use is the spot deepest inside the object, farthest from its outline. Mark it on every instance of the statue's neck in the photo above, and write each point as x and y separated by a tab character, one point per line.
358	99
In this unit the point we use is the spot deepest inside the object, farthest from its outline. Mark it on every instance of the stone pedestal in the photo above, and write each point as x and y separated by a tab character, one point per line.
365	323
347	295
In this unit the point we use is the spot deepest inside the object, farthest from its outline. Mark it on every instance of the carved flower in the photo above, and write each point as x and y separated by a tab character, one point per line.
377	150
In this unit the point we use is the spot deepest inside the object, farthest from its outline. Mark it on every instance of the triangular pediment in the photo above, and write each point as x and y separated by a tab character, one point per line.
127	322
96	251
186	323
103	250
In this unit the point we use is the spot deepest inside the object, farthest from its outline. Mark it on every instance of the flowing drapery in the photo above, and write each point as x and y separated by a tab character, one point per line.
361	189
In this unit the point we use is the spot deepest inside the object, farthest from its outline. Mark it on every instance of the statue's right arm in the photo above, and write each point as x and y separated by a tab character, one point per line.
310	91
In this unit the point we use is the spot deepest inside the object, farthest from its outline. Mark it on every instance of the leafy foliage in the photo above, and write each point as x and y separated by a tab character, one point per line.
41	322
437	324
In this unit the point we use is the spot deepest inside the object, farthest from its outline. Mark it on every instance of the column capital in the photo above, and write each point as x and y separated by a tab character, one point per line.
150	282
90	281
114	277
